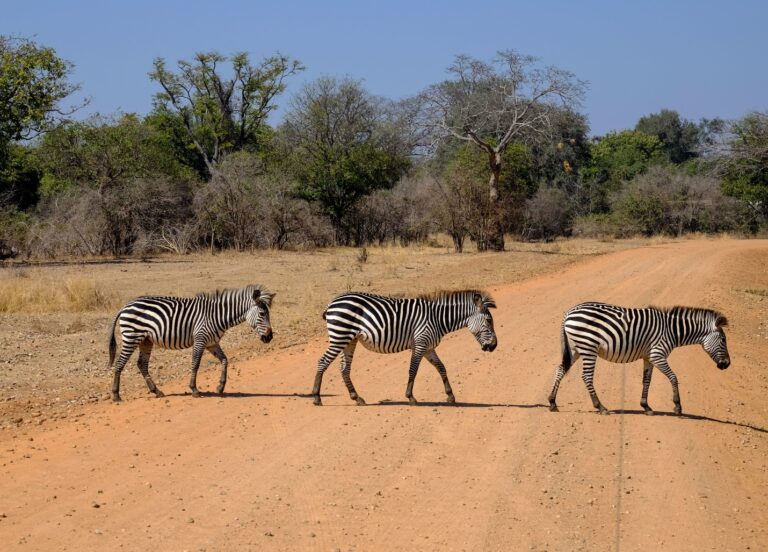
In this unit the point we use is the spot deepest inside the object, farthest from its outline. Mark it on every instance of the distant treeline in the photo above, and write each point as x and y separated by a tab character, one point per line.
498	148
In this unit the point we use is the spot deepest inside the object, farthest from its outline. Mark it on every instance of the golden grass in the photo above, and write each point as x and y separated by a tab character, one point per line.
24	291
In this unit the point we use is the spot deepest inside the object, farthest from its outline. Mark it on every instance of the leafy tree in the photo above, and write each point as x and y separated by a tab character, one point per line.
222	115
19	178
746	168
679	137
33	82
343	144
492	105
116	164
618	157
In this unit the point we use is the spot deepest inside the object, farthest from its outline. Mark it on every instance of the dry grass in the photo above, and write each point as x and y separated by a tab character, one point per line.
54	319
37	292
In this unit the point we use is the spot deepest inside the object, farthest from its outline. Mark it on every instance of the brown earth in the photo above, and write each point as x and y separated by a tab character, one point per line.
264	469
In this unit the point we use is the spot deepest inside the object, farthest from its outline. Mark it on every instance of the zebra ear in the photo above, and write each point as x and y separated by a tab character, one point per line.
478	299
490	304
721	321
256	294
266	298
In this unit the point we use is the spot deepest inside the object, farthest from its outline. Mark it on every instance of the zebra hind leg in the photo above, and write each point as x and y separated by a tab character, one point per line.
560	371
588	375
145	350
346	368
322	365
435	361
125	353
647	373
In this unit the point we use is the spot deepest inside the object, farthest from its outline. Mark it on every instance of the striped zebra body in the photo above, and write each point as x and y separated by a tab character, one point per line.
391	325
183	322
622	335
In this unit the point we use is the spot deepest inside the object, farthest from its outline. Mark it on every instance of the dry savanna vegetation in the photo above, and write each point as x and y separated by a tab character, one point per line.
55	317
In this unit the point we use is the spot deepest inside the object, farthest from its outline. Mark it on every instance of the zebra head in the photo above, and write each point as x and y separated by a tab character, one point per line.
258	313
480	323
714	343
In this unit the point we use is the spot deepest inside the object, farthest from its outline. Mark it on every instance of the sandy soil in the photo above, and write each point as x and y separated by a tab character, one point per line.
264	469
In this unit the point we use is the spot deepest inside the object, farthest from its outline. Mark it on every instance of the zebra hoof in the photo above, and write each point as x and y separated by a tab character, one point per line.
317	401
451	399
553	408
678	411
603	411
220	390
412	401
159	394
360	401
649	412
116	398
196	393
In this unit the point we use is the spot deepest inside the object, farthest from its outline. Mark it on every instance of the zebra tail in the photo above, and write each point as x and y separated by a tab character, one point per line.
112	342
567	361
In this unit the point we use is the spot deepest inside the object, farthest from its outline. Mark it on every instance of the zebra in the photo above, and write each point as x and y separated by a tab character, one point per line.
623	335
183	322
391	325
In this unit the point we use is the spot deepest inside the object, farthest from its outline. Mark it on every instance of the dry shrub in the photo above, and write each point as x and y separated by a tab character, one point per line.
32	293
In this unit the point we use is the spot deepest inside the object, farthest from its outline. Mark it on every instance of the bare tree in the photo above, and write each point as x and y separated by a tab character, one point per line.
494	104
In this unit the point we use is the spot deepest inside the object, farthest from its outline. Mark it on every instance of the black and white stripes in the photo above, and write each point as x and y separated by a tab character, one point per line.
622	335
182	322
390	325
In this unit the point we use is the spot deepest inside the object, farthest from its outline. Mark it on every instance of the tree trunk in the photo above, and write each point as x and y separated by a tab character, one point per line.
495	233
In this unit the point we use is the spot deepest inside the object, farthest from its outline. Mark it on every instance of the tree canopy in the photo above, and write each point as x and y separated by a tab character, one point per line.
342	145
220	114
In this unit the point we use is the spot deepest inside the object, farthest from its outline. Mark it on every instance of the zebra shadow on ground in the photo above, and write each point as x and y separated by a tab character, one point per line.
243	395
694	417
458	404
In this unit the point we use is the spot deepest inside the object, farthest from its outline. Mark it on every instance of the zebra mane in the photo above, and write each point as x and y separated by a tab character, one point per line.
265	295
716	317
443	295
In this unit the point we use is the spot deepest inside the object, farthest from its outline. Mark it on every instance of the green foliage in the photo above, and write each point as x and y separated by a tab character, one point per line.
746	174
19	178
679	137
104	151
33	81
517	176
616	158
341	147
222	115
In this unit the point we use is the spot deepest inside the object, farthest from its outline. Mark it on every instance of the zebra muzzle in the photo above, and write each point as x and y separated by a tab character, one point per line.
266	338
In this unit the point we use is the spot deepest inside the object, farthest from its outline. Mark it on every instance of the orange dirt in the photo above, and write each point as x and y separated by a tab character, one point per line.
264	469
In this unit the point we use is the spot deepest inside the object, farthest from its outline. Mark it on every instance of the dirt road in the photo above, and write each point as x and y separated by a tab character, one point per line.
264	469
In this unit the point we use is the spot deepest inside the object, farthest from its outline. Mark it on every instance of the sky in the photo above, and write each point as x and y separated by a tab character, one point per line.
701	58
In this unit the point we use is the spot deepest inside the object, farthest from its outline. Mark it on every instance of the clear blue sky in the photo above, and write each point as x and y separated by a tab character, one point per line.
702	58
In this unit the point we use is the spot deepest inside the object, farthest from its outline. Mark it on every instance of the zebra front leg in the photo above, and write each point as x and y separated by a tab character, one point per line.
346	368
125	353
197	354
647	373
435	361
661	364
216	351
588	375
145	350
329	356
416	355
